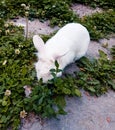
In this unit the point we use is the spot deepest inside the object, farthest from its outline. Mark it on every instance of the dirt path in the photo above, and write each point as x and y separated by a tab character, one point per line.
85	113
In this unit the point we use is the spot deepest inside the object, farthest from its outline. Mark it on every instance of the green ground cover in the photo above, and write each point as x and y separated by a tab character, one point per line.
17	58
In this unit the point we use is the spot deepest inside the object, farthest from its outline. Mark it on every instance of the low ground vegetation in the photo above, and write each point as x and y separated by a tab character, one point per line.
17	58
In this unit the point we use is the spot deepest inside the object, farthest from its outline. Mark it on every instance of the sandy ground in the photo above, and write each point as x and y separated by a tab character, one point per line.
85	113
82	10
35	27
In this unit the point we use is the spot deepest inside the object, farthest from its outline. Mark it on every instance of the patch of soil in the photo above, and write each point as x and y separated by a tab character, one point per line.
82	10
35	26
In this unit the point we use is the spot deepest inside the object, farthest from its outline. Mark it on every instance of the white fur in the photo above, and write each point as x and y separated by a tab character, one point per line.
68	45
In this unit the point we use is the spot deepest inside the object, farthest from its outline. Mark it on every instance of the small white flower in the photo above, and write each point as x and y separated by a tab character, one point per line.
27	7
20	46
105	45
7	31
4	63
95	27
17	51
11	23
23	114
6	25
108	58
7	93
53	6
23	5
110	10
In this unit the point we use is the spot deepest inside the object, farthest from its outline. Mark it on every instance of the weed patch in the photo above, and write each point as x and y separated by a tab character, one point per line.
59	13
17	70
100	25
97	75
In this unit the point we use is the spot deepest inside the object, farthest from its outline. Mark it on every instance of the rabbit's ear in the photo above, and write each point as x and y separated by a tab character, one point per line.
38	42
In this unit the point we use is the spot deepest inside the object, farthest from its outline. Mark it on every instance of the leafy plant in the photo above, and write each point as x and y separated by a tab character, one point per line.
100	25
16	68
16	71
49	99
17	58
97	76
58	12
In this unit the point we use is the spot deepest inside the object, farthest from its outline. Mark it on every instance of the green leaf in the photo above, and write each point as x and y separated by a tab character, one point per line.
62	112
4	103
1	100
41	100
102	54
52	70
56	64
54	75
35	97
35	107
112	84
91	89
66	91
24	71
59	70
3	119
49	111
77	92
60	100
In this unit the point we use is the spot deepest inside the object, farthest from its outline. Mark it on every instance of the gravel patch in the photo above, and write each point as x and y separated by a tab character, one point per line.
35	27
82	10
85	113
102	44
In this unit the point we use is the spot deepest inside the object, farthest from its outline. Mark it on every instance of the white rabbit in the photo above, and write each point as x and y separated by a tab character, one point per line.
68	45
